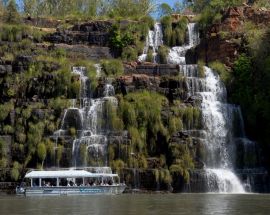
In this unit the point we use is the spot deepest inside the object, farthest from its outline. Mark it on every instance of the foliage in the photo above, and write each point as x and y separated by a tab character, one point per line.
164	10
118	41
163	53
253	35
210	11
41	152
150	56
112	67
262	3
140	113
129	54
174	32
221	69
118	165
15	171
59	104
182	160
5	109
86	8
11	14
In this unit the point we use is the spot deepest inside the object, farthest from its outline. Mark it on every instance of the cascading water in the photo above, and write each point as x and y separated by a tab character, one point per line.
216	139
153	41
90	145
177	54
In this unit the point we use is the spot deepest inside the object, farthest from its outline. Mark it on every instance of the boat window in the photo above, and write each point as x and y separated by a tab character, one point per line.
48	182
63	182
79	181
35	182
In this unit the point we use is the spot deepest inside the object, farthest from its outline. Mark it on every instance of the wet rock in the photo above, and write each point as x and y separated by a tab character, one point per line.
157	69
73	119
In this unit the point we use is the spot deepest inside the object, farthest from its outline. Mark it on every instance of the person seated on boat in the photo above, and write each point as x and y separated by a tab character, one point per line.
110	182
48	184
68	184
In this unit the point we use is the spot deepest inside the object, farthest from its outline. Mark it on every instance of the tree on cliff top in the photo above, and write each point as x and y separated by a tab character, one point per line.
11	14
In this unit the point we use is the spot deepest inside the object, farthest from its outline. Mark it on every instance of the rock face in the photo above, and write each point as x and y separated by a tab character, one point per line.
86	52
152	69
91	33
223	40
42	22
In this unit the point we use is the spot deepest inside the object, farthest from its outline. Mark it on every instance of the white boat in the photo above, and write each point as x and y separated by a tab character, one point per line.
69	182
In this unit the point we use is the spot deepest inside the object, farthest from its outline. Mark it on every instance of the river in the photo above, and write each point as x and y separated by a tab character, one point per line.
138	204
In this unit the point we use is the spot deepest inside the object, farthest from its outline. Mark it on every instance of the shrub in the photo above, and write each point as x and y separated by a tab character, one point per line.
5	109
166	23
149	57
15	171
41	152
118	165
129	54
8	129
112	67
11	14
163	54
221	69
149	21
262	3
174	33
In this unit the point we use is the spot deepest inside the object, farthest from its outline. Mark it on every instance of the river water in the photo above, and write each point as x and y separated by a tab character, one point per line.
138	204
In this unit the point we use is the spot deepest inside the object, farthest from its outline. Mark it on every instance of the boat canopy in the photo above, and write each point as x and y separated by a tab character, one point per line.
66	174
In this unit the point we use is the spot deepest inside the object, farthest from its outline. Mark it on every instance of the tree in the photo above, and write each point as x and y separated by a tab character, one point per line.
2	10
30	7
11	14
164	10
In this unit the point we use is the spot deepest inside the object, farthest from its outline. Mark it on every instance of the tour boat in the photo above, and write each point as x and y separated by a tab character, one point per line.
69	182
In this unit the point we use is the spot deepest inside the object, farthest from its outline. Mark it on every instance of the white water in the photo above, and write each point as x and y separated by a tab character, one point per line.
216	119
223	181
153	41
177	53
91	116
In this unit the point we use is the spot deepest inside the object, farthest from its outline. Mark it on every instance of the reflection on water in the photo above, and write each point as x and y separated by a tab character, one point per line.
138	204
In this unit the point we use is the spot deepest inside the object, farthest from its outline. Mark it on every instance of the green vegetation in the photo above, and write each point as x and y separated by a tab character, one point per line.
221	69
112	67
87	9
262	4
11	14
174	31
210	11
163	53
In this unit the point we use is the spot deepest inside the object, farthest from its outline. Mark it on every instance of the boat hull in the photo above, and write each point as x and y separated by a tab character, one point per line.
71	191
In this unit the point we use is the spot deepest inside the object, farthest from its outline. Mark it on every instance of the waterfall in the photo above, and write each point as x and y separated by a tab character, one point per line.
154	39
177	54
90	145
217	138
